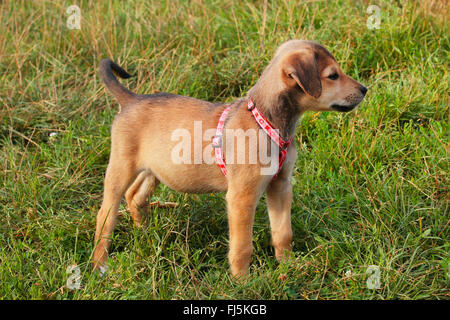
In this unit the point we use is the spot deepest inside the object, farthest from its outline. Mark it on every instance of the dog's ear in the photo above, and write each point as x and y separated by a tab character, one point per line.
302	67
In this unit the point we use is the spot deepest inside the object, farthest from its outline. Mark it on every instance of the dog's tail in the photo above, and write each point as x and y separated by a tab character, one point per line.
122	94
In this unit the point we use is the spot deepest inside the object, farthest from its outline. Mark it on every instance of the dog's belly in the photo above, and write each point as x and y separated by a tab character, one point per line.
182	176
191	178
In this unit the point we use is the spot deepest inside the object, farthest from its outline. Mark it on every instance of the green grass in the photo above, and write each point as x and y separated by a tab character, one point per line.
371	187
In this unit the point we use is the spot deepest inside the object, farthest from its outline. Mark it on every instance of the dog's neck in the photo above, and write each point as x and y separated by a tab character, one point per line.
281	110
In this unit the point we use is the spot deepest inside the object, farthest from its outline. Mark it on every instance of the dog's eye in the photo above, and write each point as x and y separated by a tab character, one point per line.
333	76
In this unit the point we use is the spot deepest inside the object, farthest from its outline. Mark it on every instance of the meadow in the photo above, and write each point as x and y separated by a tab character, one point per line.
371	195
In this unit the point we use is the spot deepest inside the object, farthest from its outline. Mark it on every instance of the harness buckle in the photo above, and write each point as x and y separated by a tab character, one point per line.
217	141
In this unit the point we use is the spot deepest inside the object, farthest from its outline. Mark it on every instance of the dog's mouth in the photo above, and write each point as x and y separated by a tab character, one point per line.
341	108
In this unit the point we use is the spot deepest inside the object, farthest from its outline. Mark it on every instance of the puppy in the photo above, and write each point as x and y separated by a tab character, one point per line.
302	76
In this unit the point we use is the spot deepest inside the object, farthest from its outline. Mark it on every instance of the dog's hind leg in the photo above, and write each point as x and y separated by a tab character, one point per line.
118	177
139	193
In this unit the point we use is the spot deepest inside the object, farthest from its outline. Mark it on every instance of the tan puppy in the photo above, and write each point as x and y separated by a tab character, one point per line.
302	76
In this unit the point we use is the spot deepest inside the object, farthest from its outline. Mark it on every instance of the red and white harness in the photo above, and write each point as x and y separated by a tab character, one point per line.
263	123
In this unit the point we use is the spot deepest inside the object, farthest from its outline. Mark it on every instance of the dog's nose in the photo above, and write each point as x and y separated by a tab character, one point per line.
363	90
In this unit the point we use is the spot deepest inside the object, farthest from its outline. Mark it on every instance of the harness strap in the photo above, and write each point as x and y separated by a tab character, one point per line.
217	141
267	127
263	123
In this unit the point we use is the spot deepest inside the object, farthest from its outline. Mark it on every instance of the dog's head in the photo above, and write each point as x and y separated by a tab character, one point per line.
308	67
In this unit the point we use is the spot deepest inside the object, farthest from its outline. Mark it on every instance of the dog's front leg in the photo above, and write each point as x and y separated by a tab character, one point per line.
279	200
241	204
